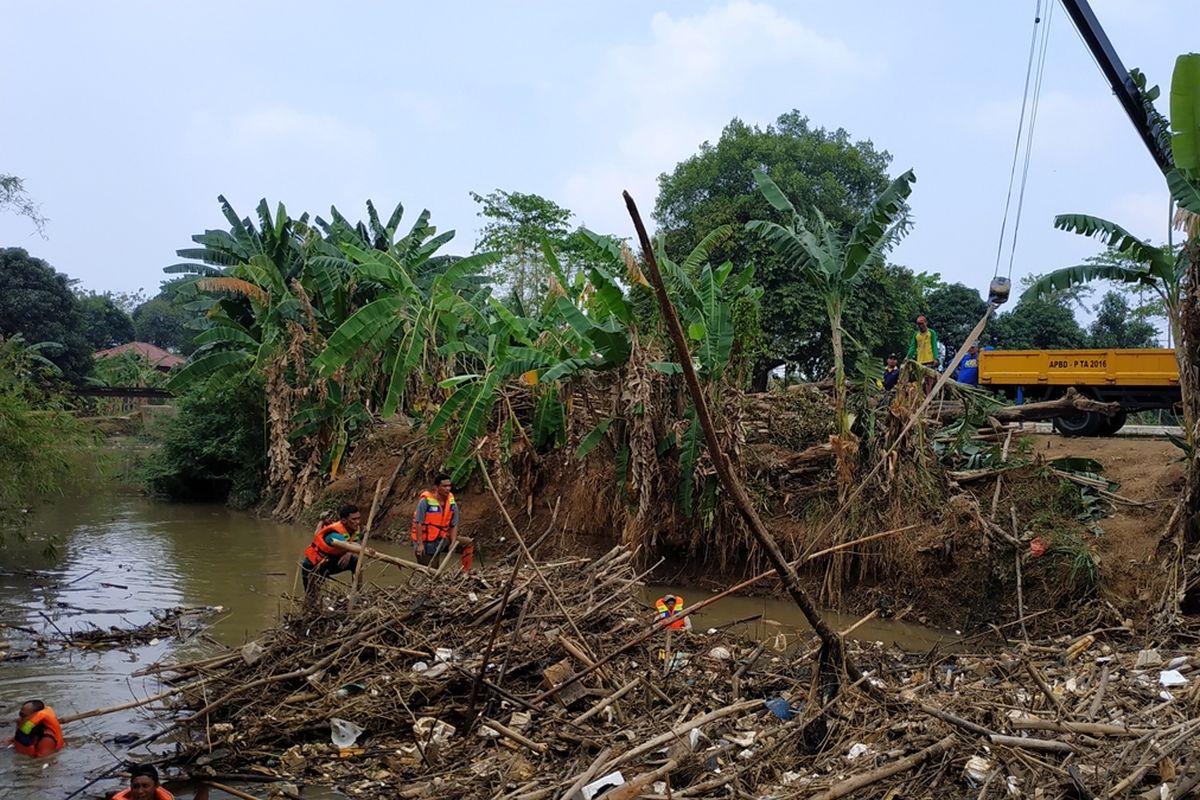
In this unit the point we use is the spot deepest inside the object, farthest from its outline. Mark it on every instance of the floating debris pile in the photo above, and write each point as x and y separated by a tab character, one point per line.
552	681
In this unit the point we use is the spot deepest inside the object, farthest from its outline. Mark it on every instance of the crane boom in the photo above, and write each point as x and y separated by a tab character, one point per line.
1123	86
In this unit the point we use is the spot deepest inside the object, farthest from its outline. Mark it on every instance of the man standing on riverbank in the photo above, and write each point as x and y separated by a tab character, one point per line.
324	557
923	349
435	523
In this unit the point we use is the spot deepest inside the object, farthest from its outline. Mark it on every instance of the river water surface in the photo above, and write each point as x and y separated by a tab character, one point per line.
121	556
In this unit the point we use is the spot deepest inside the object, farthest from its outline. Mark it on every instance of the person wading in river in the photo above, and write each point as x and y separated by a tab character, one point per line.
38	732
325	556
144	785
435	523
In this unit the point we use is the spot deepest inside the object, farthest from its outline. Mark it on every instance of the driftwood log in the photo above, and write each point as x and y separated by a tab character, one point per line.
1070	403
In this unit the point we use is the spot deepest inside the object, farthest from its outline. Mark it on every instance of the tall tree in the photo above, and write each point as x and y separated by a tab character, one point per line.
105	323
518	228
1117	326
832	265
818	169
165	319
1035	324
40	304
953	310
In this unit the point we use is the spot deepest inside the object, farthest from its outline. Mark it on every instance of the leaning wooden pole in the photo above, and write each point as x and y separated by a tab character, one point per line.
787	573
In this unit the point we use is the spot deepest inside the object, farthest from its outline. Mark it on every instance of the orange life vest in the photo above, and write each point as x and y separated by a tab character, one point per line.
320	550
37	726
159	794
438	517
664	612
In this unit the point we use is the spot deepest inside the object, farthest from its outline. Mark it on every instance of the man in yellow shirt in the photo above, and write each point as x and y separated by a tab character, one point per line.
923	348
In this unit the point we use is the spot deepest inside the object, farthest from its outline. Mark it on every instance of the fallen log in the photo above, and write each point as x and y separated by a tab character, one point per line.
853	784
1072	402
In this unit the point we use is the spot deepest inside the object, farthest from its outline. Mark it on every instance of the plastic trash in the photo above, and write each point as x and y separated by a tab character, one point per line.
602	785
437	670
977	770
343	733
1147	658
351	689
1172	677
251	653
433	730
857	751
781	708
719	653
443	654
420	667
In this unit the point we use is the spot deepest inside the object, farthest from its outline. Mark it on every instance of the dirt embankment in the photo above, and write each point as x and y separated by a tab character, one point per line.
942	571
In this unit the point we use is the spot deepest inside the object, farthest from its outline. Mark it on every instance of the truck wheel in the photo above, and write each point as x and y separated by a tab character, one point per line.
1110	425
1082	424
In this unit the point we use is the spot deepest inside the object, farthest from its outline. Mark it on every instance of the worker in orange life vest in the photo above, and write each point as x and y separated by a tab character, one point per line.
668	606
38	732
325	556
143	785
435	522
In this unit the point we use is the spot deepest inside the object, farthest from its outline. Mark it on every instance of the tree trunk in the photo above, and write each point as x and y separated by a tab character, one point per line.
1069	403
1188	353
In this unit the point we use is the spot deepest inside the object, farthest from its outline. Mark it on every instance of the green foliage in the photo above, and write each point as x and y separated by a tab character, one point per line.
518	227
40	440
818	169
214	448
40	305
953	311
830	263
14	198
126	369
166	320
1185	117
1117	326
104	322
1036	325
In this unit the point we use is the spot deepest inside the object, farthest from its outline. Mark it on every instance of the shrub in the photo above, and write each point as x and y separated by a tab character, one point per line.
214	449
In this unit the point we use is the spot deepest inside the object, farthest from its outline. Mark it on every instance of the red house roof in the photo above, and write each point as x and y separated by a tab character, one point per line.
158	358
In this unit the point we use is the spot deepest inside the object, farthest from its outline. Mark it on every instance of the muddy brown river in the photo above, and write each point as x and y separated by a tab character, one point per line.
121	556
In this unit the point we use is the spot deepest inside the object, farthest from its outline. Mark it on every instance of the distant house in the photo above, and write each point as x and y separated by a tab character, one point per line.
158	358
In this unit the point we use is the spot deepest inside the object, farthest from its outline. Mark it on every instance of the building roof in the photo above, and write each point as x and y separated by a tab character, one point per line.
158	358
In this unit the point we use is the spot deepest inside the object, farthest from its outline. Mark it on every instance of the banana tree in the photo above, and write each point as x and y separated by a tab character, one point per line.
831	262
1160	268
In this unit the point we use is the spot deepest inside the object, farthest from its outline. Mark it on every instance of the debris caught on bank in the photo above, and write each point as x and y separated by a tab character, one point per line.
573	703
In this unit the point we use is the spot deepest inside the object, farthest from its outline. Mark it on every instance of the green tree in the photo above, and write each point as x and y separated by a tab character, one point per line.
818	169
1035	324
1117	326
830	263
40	305
165	319
518	227
953	310
105	323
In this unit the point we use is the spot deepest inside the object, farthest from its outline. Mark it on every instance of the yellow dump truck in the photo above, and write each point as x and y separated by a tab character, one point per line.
1140	380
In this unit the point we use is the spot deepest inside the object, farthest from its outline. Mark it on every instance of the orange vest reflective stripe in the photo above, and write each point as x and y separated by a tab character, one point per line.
37	726
438	516
660	605
320	550
159	794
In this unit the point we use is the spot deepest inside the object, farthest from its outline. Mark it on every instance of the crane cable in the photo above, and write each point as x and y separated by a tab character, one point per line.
1034	70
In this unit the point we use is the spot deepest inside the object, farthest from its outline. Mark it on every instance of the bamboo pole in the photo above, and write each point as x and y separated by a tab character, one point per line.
733	486
356	579
358	549
98	712
238	793
515	736
852	785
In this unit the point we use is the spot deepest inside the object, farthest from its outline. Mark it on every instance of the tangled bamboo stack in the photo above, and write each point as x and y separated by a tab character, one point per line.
578	685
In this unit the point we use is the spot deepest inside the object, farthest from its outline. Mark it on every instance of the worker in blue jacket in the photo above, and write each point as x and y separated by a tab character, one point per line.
968	368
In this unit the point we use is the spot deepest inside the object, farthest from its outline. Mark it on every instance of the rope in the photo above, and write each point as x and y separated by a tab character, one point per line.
1037	18
1033	113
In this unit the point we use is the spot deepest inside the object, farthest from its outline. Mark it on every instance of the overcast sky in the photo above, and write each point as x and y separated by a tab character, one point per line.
127	119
